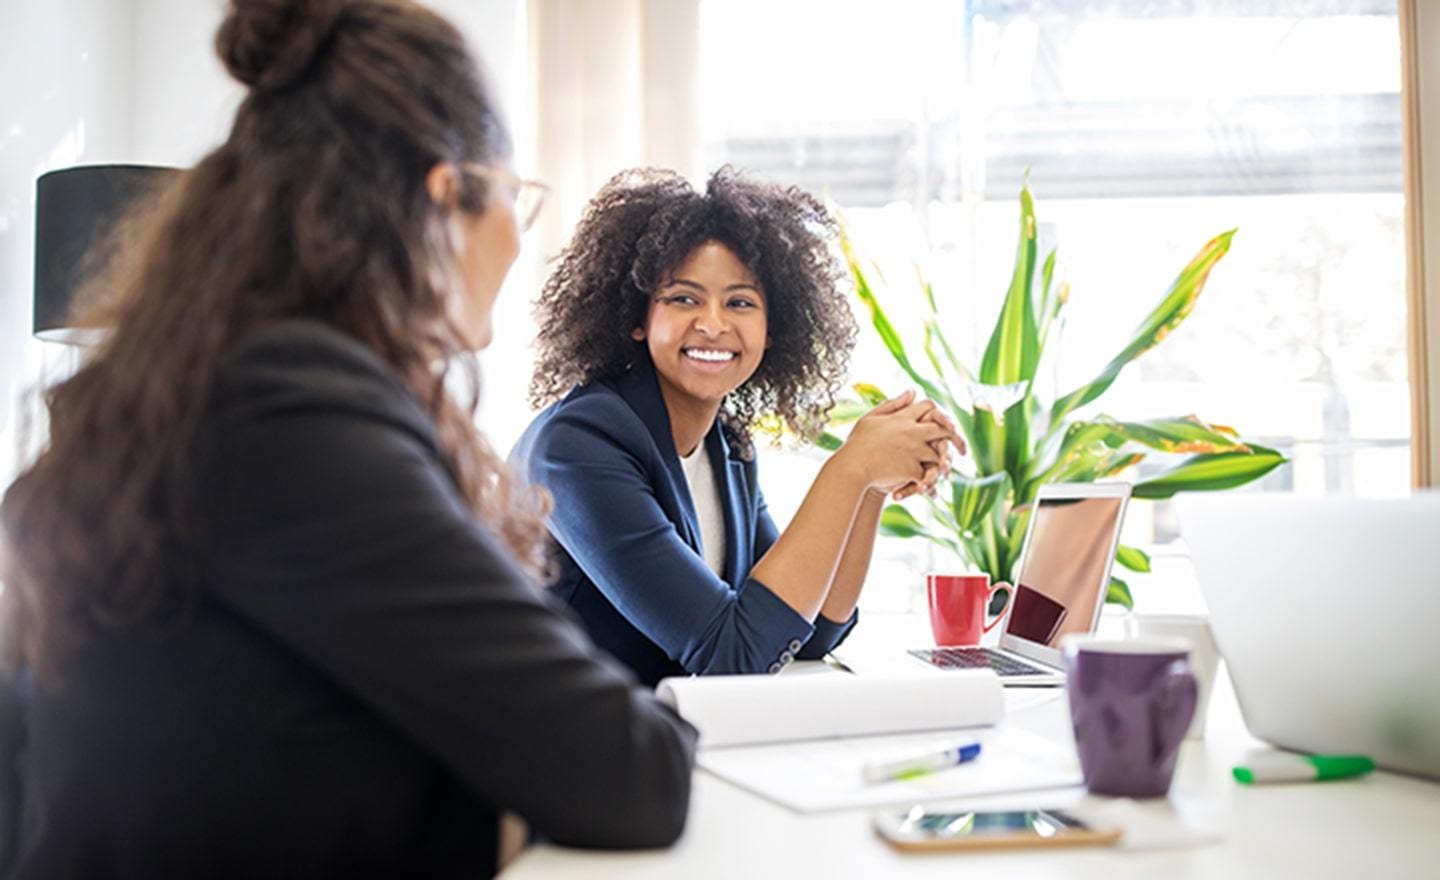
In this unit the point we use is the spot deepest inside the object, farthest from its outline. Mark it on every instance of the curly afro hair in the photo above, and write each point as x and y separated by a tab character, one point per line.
642	225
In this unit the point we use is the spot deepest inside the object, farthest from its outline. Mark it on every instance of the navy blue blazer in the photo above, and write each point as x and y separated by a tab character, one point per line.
629	540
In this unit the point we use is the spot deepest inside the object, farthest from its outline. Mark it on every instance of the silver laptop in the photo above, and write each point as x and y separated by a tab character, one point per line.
1061	580
1325	612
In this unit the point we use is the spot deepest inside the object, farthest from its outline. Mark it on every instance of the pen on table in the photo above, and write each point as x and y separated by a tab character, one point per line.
919	765
1284	767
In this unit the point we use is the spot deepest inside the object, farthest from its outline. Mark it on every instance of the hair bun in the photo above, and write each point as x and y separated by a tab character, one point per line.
269	44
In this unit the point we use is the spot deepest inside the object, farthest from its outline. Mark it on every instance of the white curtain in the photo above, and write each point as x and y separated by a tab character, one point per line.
615	85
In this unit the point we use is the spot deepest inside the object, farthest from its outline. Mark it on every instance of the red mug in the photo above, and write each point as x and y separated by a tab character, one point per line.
957	607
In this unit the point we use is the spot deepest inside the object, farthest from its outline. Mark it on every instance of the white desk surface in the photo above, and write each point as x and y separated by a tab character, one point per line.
1382	826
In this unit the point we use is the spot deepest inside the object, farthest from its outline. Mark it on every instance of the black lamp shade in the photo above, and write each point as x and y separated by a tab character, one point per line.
75	210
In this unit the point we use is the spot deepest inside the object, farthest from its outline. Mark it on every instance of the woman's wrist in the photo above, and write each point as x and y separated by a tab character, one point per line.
845	470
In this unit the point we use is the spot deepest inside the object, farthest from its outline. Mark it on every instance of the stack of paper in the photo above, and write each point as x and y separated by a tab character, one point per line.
804	741
748	709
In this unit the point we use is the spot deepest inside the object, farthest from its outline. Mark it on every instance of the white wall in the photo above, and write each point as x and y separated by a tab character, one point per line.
496	31
66	65
94	81
184	100
182	97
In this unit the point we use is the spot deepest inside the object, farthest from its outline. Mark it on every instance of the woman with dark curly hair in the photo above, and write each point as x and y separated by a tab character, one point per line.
271	593
674	320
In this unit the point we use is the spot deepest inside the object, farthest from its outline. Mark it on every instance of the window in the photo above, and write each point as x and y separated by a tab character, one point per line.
1145	127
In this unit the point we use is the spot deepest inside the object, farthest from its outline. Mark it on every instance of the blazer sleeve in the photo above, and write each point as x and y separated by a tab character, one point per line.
340	535
828	633
608	518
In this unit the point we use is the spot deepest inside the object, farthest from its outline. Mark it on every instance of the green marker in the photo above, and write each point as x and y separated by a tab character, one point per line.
1274	767
922	765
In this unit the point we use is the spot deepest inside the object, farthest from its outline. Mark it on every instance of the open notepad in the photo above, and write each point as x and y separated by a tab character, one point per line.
803	741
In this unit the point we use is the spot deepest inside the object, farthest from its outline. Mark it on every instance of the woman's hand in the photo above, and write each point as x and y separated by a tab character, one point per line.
901	444
957	442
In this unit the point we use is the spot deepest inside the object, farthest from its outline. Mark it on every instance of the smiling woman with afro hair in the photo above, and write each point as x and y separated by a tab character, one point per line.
674	320
640	226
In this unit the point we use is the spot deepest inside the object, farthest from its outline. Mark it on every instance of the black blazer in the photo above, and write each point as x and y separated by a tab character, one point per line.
365	681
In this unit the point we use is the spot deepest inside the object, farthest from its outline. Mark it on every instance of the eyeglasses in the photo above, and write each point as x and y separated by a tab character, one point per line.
529	194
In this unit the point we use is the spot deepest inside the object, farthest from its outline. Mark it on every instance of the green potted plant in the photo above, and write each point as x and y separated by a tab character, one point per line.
1018	442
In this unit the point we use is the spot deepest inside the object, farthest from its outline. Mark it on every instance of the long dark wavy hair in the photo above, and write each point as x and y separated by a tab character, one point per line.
641	226
314	207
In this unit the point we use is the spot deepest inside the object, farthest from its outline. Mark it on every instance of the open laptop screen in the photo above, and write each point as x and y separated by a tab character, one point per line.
1066	564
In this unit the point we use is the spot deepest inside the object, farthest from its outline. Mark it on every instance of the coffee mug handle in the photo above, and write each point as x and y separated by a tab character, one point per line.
1176	692
990	594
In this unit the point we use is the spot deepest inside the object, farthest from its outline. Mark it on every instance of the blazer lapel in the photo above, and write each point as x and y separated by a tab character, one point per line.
641	390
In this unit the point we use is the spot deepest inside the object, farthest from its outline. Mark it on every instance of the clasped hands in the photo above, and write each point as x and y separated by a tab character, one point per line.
902	447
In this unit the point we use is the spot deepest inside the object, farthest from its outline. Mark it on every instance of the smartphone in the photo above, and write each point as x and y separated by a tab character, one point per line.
922	828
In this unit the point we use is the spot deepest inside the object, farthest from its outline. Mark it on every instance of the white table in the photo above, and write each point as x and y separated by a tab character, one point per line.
1382	826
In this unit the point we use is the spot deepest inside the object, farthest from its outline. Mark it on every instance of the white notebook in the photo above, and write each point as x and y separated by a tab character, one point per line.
803	741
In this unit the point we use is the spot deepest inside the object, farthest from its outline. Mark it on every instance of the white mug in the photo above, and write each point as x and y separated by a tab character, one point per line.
1204	655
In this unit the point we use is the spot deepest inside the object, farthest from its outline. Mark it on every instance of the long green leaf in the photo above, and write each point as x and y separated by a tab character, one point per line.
886	330
1005	557
828	442
974	497
972	550
1173	309
934	333
1088	466
1017	437
1186	434
963	419
991	538
1083	442
987	446
871	395
845	412
1014	349
1132	558
1087	450
898	522
931	328
1016	522
1050	302
1210	472
1118	463
1100	466
1118	593
927	289
1047	276
947	544
888	334
943	513
950	357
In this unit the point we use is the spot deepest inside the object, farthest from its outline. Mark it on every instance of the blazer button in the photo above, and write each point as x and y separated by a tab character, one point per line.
774	668
795	646
786	658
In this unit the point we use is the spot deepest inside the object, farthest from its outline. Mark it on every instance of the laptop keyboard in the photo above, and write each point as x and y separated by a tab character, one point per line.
976	658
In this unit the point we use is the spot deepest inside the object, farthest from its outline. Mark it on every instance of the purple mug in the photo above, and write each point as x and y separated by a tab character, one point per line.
1130	704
